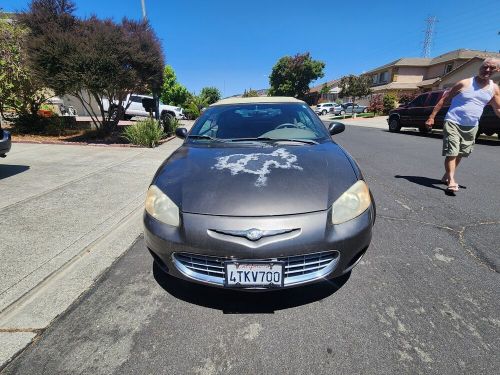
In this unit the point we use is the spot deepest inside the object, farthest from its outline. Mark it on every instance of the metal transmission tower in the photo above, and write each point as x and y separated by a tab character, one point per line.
429	33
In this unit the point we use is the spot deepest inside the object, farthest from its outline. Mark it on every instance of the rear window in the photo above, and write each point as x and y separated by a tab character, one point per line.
418	101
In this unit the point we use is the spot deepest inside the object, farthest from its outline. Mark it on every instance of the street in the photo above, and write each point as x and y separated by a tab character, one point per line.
424	299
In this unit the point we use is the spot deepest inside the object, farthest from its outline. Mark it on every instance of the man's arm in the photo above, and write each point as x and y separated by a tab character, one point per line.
495	101
447	96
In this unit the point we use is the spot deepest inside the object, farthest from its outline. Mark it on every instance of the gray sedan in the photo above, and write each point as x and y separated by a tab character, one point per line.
258	197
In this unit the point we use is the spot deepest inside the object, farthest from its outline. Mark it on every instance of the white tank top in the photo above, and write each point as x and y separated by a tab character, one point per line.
467	106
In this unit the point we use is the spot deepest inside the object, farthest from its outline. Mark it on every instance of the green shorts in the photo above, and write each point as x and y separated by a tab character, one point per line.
458	140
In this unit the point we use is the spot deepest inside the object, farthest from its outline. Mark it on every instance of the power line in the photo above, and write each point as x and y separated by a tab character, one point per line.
429	32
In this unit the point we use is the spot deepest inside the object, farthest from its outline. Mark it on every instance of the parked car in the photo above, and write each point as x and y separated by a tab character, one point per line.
258	197
337	109
132	106
5	142
415	113
356	108
324	108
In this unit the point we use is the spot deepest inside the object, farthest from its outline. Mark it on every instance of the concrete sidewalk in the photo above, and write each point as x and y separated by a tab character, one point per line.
66	214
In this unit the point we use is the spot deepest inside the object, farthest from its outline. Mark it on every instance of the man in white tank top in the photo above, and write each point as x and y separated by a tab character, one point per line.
468	99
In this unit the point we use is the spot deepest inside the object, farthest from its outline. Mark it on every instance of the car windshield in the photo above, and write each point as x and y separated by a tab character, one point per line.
260	122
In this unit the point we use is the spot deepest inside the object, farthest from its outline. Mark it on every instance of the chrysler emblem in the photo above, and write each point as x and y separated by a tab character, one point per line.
254	234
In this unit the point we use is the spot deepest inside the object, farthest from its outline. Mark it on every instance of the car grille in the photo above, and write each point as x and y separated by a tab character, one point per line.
298	269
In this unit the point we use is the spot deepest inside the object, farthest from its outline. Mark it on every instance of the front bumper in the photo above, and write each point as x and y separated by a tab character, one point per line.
5	142
311	236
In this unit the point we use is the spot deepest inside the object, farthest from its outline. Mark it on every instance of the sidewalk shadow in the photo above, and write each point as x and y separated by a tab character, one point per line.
428	182
7	170
236	302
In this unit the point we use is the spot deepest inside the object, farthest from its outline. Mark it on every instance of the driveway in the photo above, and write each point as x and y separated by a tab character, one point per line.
66	213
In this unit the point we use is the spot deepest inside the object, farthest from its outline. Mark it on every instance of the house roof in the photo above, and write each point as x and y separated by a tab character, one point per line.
318	88
428	82
396	86
464	54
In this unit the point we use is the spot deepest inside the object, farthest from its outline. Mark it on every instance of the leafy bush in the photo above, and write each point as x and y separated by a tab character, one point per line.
144	133
376	104
390	102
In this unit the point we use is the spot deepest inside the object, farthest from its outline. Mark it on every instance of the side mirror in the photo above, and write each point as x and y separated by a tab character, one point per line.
181	132
336	128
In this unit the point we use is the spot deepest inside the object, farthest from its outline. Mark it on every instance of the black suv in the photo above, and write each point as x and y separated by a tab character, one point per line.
4	142
415	113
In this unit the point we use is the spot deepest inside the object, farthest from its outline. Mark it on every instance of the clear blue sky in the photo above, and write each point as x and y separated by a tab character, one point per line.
233	44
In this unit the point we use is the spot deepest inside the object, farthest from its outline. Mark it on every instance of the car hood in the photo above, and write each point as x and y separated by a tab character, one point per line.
255	181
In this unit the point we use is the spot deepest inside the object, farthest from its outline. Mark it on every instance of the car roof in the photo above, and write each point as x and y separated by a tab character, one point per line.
258	99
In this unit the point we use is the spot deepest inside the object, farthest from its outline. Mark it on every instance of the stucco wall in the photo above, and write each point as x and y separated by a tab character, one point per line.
467	71
409	74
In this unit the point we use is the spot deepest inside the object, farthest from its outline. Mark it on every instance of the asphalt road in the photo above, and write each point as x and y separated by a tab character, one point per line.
424	299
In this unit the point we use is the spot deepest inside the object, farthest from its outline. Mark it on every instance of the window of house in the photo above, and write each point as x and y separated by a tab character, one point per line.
374	78
448	68
384	76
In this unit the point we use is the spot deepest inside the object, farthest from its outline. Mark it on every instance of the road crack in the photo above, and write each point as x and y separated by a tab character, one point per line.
460	233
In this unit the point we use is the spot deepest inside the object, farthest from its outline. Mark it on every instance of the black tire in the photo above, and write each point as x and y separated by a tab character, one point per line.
323	112
117	113
394	125
365	110
342	112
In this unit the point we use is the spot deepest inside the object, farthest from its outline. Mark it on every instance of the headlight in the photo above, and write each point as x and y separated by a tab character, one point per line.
161	207
352	203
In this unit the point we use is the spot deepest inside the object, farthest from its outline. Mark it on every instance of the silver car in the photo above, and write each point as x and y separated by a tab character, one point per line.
258	197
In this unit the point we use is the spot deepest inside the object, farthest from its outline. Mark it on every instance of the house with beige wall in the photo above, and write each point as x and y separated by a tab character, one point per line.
409	75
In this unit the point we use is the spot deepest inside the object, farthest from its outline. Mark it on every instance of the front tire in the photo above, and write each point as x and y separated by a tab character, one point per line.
394	125
365	110
323	112
342	113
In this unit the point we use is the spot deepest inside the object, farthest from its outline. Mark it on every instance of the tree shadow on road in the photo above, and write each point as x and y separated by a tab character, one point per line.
7	170
236	302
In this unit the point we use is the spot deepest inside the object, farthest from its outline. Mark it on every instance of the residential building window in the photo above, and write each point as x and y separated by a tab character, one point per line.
448	68
375	79
384	77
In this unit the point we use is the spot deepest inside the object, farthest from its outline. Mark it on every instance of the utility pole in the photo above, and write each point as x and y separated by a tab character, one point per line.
144	17
429	33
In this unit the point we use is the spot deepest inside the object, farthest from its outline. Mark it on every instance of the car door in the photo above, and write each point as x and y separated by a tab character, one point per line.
136	108
428	107
415	110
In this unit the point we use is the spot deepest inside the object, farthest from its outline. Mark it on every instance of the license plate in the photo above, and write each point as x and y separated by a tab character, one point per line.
254	274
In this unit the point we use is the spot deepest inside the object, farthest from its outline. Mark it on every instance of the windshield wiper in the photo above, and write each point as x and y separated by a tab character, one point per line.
300	140
200	136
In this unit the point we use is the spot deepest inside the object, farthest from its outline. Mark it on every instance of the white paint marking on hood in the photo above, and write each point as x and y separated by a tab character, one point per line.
258	163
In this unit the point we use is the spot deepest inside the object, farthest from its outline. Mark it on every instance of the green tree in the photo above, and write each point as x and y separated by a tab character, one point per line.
172	92
195	105
20	90
210	94
250	93
92	59
354	87
291	76
325	89
390	101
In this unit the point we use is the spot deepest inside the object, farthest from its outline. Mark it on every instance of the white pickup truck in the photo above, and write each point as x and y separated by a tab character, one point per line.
136	109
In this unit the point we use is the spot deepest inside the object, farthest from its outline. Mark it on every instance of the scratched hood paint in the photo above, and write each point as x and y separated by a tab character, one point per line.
255	181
